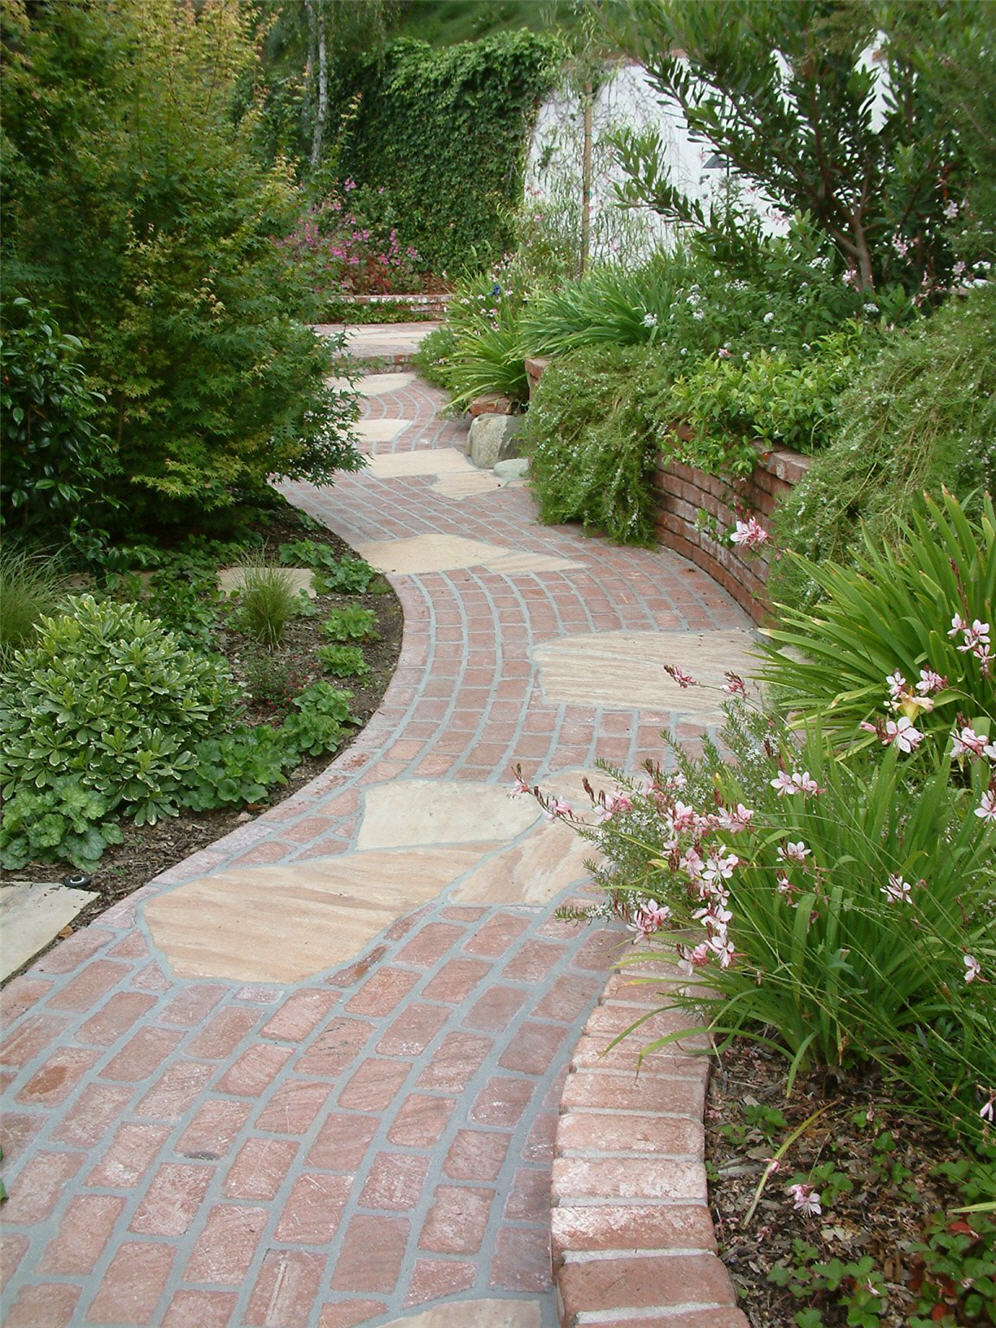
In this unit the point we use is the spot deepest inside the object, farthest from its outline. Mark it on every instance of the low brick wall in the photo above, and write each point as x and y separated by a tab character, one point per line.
694	508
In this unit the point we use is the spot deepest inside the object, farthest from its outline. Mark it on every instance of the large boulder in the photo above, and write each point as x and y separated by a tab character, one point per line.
494	438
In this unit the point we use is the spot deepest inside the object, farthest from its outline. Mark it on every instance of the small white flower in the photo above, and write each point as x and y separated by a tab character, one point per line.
649	320
769	317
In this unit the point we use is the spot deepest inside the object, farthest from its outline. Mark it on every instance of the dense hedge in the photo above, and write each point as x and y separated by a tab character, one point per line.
443	133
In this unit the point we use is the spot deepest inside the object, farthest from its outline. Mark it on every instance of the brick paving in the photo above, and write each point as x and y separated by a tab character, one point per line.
376	1139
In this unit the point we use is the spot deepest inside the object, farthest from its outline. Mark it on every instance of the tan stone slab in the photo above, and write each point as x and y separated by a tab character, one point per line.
286	923
476	1314
405	813
422	461
535	871
447	553
232	579
378	385
32	913
626	669
380	431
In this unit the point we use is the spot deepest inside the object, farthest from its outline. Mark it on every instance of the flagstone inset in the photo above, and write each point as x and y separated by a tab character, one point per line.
456	475
32	913
625	670
380	431
449	553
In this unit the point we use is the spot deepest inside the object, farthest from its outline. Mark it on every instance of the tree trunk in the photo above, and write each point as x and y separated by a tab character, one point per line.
586	180
316	25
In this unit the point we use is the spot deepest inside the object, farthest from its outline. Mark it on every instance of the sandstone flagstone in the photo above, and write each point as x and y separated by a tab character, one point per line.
447	553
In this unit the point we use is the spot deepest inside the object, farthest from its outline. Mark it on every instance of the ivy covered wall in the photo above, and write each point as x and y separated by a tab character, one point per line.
439	139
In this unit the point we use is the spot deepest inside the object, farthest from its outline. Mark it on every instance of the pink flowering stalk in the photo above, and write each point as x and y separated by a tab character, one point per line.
749	534
806	1200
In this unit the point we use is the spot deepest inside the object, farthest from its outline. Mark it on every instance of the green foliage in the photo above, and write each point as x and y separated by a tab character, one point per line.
52	457
443	133
343	661
345	576
893	611
267	601
591	453
433	354
922	416
237	767
118	126
349	624
270	682
62	820
31	585
784	93
109	700
486	354
317	723
959	1271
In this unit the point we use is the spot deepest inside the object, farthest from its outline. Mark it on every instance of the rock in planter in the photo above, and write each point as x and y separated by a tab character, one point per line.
515	468
494	438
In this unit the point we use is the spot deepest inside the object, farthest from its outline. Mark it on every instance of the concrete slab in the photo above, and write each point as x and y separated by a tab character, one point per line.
626	669
410	812
376	385
287	923
446	553
379	431
475	1314
457	477
232	579
32	914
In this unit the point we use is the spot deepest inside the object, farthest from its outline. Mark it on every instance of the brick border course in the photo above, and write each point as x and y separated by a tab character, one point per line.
631	1231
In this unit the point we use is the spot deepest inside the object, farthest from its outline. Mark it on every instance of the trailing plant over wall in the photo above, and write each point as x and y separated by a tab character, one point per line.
444	134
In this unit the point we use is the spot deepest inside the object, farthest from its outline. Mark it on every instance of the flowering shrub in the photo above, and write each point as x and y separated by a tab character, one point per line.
839	912
341	255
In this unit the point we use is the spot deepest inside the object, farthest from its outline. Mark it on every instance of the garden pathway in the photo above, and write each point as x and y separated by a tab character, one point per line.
310	1077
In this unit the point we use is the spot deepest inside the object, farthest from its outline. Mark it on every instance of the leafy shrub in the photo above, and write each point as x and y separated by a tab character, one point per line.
31	586
108	699
433	354
343	661
267	601
921	416
487	356
237	767
270	681
349	624
591	451
349	576
317	723
53	458
893	614
61	820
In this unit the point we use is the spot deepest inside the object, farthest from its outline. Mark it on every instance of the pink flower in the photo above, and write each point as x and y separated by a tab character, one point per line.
896	684
903	734
795	782
650	917
794	852
957	625
930	682
519	787
986	809
968	743
681	678
805	1199
718	868
558	807
972	969
736	685
898	890
734	819
986	1111
749	534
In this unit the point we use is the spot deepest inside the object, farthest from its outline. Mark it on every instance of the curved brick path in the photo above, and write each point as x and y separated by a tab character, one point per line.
374	1139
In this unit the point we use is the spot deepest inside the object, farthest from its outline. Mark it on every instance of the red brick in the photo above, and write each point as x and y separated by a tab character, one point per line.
142	1055
200	1309
413	1030
212	1132
382	992
533	1048
58	1076
129	1156
395	1181
47	1305
12	1248
585	1227
455	980
133	1284
522	1260
254	1071
83	1232
455	1062
588	1132
259	1168
300	1015
457	1220
430	943
225	1248
38	1188
497	935
172	1096
350	1313
374	1085
314	1209
20	995
502	1101
17	1130
540	1142
534	961
335	1048
90	986
120	1014
191	1006
372	1254
654	1280
495	1008
220	1038
434	1278
420	1120
529	1200
342	1142
577	1178
286	1289
172	1200
476	1155
32	1036
293	1107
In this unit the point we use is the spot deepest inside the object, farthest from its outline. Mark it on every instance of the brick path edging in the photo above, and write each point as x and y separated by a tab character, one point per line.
632	1237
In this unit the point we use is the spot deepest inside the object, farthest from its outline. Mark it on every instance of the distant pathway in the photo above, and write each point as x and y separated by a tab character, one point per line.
309	1078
